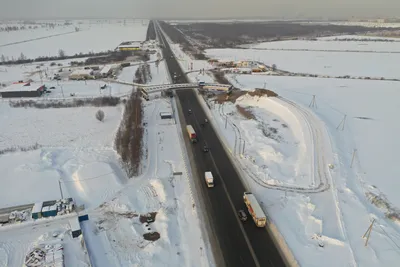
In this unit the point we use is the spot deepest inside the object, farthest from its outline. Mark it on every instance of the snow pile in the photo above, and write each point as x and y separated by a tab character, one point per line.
277	152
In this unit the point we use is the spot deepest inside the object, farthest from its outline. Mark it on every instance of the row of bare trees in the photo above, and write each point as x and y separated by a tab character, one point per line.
143	74
129	137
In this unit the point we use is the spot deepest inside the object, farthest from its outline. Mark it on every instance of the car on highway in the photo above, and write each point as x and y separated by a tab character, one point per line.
190	111
242	215
205	148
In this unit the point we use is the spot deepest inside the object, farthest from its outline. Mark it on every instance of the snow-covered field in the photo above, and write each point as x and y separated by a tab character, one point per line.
91	37
291	143
115	231
334	63
75	150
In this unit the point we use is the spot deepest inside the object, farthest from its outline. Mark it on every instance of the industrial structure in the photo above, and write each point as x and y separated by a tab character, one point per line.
130	46
24	89
81	74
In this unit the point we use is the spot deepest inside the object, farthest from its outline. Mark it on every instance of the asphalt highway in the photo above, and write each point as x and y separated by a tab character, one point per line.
242	244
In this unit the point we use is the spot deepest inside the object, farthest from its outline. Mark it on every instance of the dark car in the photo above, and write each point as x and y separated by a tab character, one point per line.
205	148
190	111
242	215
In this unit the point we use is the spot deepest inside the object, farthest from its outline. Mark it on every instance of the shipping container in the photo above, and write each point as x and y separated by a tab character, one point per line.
37	210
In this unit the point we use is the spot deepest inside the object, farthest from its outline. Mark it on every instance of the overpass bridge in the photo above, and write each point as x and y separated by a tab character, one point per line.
154	88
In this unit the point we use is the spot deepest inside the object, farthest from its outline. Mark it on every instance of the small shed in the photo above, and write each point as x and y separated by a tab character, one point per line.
75	227
49	211
4	218
37	210
166	115
84	217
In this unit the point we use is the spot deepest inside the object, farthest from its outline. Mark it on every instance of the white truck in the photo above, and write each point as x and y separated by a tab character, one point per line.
254	209
209	179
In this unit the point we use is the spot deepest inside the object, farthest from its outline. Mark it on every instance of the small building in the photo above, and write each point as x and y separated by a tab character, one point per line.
75	227
22	90
166	115
130	46
106	71
81	74
4	218
49	211
37	210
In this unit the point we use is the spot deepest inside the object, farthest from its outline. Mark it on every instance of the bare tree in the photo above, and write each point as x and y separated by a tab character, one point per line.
22	56
3	58
273	67
61	53
100	115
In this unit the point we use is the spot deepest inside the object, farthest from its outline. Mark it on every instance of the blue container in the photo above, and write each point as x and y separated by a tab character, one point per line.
83	218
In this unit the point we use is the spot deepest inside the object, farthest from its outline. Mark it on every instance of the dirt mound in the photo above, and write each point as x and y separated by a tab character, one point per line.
151	236
151	216
261	92
245	112
232	97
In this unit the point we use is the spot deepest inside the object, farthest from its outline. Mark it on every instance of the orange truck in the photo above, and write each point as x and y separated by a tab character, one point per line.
192	134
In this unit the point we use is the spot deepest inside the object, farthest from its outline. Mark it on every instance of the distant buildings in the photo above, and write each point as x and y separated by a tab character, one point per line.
81	74
130	46
22	90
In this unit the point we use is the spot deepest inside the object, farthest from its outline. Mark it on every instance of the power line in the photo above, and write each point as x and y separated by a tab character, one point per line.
388	236
91	178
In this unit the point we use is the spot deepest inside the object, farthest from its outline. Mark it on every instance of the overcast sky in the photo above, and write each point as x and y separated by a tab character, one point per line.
197	8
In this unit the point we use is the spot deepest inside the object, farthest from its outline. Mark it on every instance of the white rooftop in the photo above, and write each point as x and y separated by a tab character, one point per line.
16	87
82	72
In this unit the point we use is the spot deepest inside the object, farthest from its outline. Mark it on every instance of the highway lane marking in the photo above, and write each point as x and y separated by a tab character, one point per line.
230	200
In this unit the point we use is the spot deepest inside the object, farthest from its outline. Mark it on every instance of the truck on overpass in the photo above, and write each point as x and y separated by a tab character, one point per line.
254	209
192	134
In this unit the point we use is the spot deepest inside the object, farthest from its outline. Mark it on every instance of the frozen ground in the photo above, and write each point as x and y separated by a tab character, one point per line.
10	74
89	38
334	63
115	229
330	44
18	240
76	149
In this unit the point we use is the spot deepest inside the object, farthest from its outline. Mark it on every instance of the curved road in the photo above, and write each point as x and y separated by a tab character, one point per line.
242	244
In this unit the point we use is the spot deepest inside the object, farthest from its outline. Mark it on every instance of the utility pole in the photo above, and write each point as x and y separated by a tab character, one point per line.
342	123
62	91
368	232
244	143
234	149
352	159
226	121
313	103
59	184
